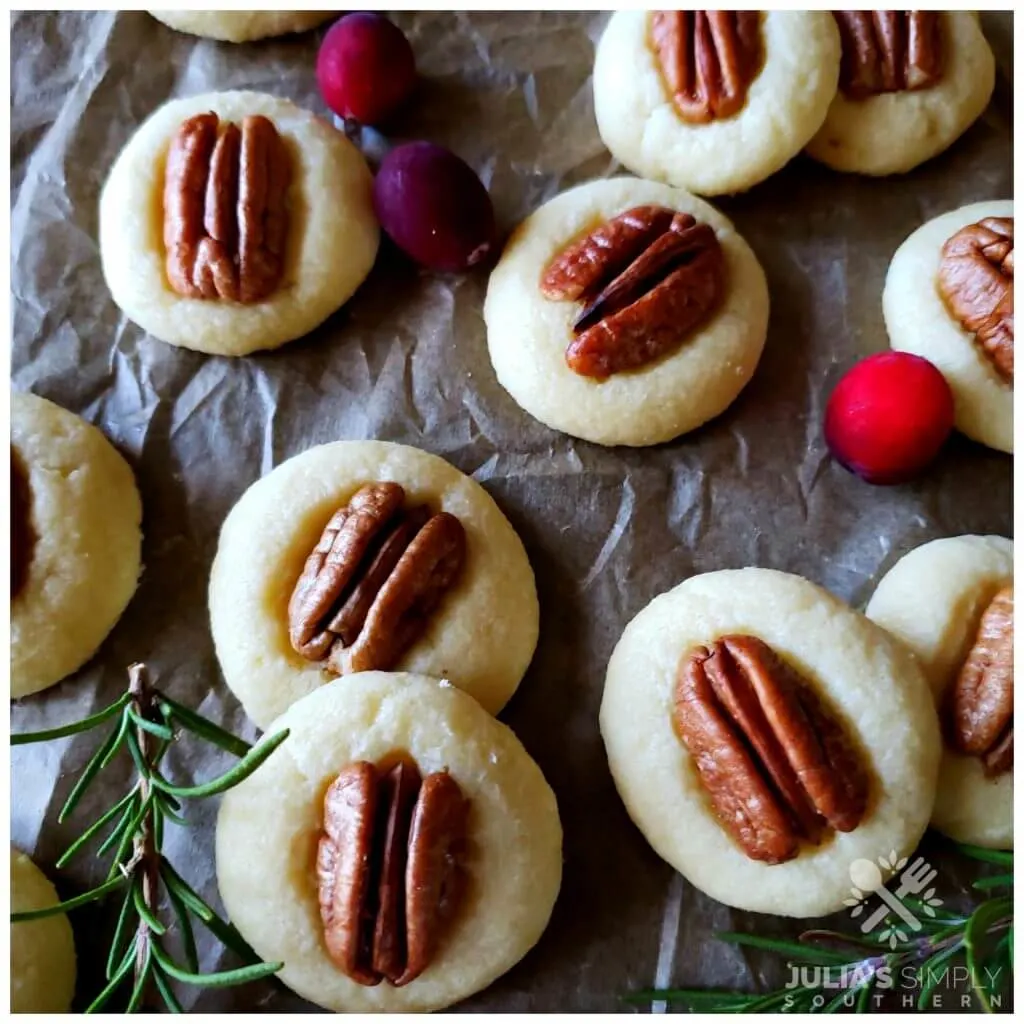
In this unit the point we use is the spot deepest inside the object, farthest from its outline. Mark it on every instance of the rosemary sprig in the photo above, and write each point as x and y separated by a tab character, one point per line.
850	972
147	723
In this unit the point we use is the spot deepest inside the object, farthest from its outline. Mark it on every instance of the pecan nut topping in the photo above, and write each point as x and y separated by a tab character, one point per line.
976	284
389	869
776	763
889	51
646	278
225	212
980	707
708	60
373	580
23	536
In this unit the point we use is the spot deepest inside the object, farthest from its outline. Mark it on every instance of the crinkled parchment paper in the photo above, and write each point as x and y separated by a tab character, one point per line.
405	360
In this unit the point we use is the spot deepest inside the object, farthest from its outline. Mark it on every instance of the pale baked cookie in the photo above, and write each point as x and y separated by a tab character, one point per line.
611	320
898	106
43	951
938	600
665	118
851	715
949	298
75	541
242	26
452	597
236	221
299	854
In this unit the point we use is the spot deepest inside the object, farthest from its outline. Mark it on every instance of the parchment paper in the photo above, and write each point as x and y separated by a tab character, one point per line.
405	360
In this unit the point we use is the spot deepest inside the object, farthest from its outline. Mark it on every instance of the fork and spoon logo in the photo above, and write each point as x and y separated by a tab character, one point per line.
914	880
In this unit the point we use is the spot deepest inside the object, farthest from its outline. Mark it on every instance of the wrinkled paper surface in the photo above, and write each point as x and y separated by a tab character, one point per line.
405	360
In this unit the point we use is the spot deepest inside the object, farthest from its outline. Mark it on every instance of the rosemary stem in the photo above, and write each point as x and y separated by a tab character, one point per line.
144	848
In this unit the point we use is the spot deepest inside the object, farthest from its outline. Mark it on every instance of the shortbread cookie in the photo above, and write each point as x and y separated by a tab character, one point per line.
900	104
42	951
768	817
236	221
664	109
425	574
242	26
468	854
940	600
626	312
75	541
949	297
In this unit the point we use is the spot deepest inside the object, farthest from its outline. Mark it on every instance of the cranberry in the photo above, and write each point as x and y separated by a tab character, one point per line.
365	68
434	207
888	417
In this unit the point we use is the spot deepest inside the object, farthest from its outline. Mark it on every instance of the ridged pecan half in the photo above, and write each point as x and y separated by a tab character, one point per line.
778	766
980	707
389	869
976	284
647	278
225	209
23	537
373	580
889	51
708	60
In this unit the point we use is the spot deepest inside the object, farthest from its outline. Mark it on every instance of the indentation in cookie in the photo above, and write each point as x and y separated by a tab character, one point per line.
779	767
225	209
23	535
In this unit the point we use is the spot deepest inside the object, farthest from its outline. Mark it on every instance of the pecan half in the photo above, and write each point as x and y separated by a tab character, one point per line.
647	278
777	765
373	580
225	213
389	869
976	284
23	537
889	51
708	60
979	716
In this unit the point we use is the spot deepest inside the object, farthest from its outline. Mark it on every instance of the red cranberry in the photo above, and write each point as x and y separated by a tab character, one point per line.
888	417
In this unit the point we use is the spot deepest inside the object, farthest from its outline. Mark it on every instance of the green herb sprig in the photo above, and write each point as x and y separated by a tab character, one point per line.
981	940
146	724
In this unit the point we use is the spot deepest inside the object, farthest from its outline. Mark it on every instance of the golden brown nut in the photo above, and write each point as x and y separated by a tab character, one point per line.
708	60
777	765
647	278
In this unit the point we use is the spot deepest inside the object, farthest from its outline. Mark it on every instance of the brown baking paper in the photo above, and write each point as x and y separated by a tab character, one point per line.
405	360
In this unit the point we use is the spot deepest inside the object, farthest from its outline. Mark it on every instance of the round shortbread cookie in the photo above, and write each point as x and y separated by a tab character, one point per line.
932	599
785	106
331	242
894	132
269	827
918	321
482	635
84	542
242	26
527	334
43	951
871	682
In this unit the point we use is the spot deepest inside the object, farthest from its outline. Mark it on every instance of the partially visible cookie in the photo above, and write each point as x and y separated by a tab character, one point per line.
42	952
399	852
75	541
626	312
364	555
242	26
949	298
951	602
236	221
665	109
765	738
897	108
